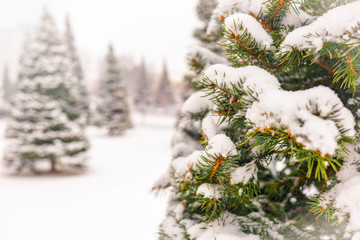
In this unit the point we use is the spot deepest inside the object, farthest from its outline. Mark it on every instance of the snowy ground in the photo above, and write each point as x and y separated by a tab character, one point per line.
110	201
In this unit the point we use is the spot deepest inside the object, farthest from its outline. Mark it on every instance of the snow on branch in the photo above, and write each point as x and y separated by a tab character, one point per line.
296	17
212	191
219	145
257	79
205	55
227	7
337	25
240	23
223	228
315	117
343	198
196	103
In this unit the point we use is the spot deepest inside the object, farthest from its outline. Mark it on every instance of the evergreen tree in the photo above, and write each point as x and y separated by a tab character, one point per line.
188	134
6	87
281	162
5	93
207	50
128	73
200	56
143	91
46	125
113	109
75	61
164	95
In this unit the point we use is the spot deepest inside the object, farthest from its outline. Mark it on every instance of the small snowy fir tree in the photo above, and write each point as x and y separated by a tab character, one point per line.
6	87
75	61
45	125
282	160
128	73
164	95
5	93
113	110
143	91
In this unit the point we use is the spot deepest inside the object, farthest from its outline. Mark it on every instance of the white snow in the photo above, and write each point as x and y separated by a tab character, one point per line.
221	145
330	27
296	110
245	6
223	228
206	55
182	165
257	79
347	203
212	191
210	125
218	145
240	23
296	19
111	200
227	7
244	173
196	103
345	195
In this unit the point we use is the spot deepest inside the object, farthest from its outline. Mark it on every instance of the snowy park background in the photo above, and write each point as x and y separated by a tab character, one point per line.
135	27
111	200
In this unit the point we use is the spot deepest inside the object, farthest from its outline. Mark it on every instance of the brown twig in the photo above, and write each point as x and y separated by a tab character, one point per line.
278	7
264	25
324	66
217	165
352	72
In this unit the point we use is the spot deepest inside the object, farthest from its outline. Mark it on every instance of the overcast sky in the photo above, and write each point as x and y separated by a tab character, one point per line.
155	29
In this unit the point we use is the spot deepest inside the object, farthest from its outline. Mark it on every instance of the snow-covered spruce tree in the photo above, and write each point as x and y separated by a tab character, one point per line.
5	93
143	90
164	95
206	52
188	134
6	87
113	110
78	72
128	73
188	128
283	164
45	124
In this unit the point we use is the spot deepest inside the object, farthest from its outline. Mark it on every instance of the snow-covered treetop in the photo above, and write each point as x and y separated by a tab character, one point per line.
69	39
45	52
112	71
46	66
48	37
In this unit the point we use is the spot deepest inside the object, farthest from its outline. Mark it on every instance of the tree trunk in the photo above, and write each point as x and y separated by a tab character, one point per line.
53	161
